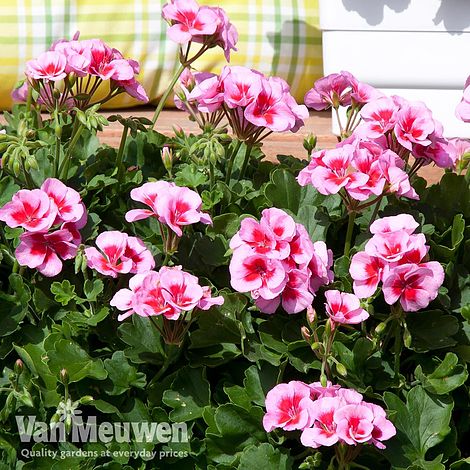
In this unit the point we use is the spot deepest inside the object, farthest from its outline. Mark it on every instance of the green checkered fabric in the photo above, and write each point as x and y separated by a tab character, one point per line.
276	37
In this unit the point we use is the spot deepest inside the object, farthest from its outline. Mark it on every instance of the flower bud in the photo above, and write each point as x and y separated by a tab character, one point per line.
341	369
323	380
58	131
311	315
56	93
64	376
19	366
310	142
305	333
167	158
315	345
380	328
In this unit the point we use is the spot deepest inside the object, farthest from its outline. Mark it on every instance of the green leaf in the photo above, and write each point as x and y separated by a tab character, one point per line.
191	176
422	423
92	289
69	355
264	457
283	191
122	375
447	376
189	395
431	330
143	339
64	292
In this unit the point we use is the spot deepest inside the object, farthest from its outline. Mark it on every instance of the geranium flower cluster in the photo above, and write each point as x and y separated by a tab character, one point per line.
169	292
70	73
119	254
255	105
340	89
326	415
173	206
275	260
361	170
51	217
394	123
343	308
396	257
190	22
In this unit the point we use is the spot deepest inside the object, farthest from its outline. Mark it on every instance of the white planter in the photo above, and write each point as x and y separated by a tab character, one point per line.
418	49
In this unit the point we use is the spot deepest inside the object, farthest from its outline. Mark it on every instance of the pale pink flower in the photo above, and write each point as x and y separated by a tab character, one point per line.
49	65
142	259
301	247
458	148
354	424
207	301
20	93
344	308
125	299
463	108
395	223
208	94
379	116
288	406
269	109
383	428
415	286
109	259
323	430
180	206
68	202
320	266
438	152
318	391
180	289
147	194
414	125
188	19
366	272
31	209
258	237
44	251
241	86
257	272
363	93
332	90
133	88
226	35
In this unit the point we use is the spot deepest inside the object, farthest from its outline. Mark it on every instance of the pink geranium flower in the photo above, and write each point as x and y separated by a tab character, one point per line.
147	194
31	209
366	272
320	266
288	406
125	299
248	273
188	19
137	252
207	301
463	108
68	202
323	430
379	116
180	289
180	206
415	286
241	86
344	308
354	424
414	125
383	428
395	223
332	90
110	259
49	65
226	35
44	251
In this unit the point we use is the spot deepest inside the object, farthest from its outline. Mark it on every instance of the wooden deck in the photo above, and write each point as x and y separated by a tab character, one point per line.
319	123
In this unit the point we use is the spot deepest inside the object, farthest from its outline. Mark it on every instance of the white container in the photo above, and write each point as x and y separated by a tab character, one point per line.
417	49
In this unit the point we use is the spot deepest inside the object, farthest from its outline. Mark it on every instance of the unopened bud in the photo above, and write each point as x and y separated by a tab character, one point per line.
341	369
56	93
407	337
19	366
30	134
167	158
311	315
71	79
315	345
58	131
379	329
310	142
64	376
305	333
323	380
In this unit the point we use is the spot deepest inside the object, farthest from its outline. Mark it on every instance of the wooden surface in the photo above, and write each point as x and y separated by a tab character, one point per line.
319	123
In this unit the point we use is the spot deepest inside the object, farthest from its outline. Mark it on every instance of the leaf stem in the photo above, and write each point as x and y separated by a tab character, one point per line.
120	155
231	160
349	233
246	159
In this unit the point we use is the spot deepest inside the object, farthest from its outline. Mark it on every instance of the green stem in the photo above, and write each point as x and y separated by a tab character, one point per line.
166	94
120	155
55	171
349	233
64	167
245	161
211	175
397	348
232	157
172	356
375	212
